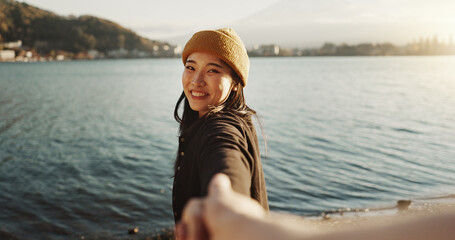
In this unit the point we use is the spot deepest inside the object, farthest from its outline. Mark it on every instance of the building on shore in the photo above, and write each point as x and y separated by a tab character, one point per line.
271	50
13	45
166	50
7	55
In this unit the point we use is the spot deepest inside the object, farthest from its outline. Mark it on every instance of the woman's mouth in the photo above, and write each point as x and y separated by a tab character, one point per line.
198	94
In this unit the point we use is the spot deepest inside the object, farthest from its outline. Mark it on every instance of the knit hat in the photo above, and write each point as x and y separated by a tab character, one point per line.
225	44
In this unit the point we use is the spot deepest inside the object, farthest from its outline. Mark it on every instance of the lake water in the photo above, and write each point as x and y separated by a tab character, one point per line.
87	147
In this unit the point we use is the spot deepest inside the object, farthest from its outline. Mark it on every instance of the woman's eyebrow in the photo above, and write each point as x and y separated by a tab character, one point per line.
215	64
208	64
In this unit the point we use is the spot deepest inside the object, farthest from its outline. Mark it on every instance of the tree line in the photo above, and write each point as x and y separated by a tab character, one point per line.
47	31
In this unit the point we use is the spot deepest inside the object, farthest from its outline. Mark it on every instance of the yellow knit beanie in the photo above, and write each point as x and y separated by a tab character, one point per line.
225	44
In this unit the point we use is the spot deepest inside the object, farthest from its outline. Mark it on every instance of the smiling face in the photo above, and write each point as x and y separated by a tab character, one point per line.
207	81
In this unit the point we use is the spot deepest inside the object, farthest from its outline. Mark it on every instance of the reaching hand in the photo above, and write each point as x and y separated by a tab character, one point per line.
220	216
226	215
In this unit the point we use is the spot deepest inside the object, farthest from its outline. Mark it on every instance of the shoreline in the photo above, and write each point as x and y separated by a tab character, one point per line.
356	219
44	60
417	209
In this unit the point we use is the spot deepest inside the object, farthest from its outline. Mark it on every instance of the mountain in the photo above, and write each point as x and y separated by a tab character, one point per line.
309	23
48	31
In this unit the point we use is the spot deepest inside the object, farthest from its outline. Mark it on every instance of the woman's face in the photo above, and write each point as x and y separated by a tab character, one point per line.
207	81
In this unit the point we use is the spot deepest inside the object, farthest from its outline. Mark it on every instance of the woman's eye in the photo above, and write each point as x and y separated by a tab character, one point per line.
213	71
189	67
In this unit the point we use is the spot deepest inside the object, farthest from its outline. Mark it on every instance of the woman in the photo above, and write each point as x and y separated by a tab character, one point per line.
216	132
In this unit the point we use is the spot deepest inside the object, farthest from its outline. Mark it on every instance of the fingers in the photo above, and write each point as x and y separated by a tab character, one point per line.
180	231
219	186
193	228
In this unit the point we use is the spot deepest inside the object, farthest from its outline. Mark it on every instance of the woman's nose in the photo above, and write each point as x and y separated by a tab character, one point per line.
198	79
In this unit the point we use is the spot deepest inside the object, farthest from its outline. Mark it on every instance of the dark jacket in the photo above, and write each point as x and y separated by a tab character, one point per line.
222	143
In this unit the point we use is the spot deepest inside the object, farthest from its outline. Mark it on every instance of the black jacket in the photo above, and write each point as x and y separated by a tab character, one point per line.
222	143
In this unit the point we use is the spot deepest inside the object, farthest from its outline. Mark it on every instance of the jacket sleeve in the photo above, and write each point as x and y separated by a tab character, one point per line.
224	149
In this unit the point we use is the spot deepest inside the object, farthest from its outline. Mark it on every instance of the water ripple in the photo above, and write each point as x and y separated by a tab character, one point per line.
86	149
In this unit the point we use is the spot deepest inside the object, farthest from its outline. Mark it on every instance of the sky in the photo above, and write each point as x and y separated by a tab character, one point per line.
159	19
288	23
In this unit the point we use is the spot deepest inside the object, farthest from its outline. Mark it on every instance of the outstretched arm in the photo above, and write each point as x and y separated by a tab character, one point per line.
225	214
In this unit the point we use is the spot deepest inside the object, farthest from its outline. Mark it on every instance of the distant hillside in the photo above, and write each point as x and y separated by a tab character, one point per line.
309	23
46	31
